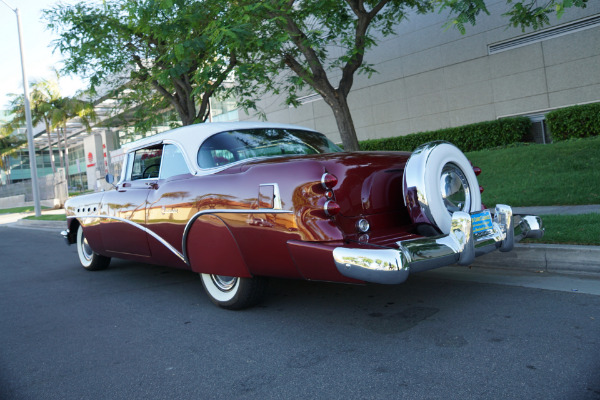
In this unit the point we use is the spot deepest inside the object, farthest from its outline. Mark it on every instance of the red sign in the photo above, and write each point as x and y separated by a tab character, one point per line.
90	158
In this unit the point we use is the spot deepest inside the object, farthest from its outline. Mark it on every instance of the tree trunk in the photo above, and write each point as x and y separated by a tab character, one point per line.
64	129
343	118
60	152
50	148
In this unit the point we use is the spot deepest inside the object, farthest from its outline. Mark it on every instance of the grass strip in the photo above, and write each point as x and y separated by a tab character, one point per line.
582	229
562	173
19	209
48	217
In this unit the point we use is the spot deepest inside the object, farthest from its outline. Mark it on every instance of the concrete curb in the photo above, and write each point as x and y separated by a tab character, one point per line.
35	224
558	258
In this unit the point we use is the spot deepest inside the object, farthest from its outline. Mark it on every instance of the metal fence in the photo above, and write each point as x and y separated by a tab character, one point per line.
50	187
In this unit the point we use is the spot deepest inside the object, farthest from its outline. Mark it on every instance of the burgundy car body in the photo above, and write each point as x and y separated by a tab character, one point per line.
261	216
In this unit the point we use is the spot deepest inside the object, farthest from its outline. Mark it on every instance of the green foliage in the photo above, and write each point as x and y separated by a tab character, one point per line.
582	229
521	13
321	44
24	209
574	122
483	135
561	173
156	54
48	217
9	143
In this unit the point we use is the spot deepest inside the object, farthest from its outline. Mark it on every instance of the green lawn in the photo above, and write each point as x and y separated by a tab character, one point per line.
562	173
19	210
570	229
49	217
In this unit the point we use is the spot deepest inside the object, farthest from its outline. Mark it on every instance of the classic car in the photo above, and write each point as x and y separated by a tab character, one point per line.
240	202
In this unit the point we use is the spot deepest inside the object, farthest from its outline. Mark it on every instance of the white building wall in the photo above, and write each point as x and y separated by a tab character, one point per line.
430	78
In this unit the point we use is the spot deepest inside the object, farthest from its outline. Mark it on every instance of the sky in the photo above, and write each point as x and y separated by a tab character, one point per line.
37	45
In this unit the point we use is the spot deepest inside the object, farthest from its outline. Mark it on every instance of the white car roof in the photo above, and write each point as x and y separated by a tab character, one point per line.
192	136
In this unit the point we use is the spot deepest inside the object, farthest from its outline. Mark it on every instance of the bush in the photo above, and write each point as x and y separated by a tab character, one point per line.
574	122
479	136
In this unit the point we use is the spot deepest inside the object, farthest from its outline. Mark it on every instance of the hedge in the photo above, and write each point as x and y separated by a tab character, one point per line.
479	136
574	122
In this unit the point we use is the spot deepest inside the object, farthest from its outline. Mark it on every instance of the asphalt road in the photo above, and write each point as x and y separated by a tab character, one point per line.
138	331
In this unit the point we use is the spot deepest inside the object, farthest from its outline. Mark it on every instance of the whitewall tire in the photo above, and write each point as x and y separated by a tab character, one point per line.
89	259
232	292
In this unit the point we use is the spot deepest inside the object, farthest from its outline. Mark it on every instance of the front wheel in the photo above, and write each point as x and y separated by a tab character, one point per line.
234	293
89	259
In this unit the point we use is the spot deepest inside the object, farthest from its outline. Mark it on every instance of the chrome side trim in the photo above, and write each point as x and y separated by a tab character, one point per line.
138	226
183	255
223	211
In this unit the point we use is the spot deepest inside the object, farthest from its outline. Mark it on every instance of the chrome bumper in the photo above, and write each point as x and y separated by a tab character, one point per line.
65	235
460	246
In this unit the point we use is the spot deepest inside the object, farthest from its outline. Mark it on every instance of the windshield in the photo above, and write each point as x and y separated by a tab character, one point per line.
227	147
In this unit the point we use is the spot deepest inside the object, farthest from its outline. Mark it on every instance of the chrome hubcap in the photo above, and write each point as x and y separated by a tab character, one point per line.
454	187
224	283
86	250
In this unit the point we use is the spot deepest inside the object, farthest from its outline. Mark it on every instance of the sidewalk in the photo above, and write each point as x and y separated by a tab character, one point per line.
17	220
552	258
561	210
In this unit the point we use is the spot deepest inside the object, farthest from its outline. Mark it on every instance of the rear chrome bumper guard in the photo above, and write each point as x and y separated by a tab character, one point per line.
460	246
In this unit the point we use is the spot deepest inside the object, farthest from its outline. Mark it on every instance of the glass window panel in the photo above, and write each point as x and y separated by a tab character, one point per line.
173	162
226	147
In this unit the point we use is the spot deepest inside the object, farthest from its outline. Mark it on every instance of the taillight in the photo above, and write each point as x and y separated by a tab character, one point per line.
331	208
477	171
328	181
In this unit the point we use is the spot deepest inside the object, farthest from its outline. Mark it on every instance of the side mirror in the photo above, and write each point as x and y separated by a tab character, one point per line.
110	179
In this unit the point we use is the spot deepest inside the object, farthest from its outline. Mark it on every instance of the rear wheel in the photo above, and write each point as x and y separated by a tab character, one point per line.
89	259
234	293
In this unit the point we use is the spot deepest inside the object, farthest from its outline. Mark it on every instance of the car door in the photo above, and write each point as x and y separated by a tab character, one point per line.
170	206
124	230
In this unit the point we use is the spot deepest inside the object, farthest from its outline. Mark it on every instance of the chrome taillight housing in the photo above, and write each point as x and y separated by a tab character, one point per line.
331	208
328	181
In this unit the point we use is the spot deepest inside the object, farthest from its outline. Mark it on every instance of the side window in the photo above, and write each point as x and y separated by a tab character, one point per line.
173	162
146	163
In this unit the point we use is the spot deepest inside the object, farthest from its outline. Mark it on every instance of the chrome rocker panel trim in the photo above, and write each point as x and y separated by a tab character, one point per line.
460	246
135	224
183	255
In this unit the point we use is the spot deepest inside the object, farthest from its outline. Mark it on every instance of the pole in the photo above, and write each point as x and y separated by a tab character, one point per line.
31	147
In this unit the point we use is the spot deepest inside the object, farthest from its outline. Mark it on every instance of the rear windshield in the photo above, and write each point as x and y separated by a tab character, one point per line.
227	147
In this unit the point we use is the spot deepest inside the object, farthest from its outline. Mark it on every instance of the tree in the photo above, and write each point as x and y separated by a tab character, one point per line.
50	108
159	53
64	109
41	94
9	145
323	42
